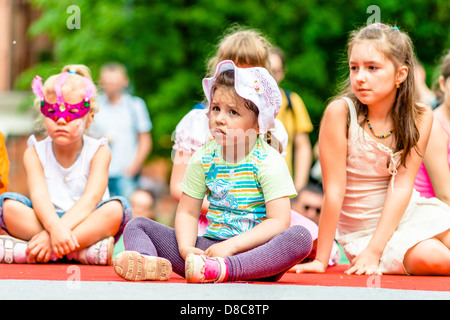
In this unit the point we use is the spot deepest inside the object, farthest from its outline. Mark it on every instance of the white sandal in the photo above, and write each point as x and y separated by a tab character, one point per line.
100	253
9	252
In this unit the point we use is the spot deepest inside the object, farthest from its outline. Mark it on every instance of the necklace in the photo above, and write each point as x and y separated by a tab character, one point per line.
381	136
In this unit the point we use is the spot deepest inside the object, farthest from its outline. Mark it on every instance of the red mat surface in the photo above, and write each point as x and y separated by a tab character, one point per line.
334	277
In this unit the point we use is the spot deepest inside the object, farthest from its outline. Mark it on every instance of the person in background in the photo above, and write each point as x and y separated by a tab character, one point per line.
309	202
433	178
305	211
143	204
4	165
295	118
424	94
124	120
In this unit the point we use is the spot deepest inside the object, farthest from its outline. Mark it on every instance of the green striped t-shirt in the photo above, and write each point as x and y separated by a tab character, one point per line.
237	192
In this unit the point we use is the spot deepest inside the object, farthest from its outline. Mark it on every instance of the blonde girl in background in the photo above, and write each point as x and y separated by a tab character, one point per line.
69	212
371	143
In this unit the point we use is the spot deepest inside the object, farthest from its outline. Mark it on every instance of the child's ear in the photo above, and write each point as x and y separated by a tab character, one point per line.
442	83
402	74
90	119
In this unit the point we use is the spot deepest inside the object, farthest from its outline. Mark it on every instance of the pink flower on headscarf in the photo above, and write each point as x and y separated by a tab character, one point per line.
258	88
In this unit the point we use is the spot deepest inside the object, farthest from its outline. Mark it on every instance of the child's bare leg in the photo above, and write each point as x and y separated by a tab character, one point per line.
444	237
428	257
104	222
14	215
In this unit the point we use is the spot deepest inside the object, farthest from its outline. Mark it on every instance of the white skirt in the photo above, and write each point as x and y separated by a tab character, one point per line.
423	219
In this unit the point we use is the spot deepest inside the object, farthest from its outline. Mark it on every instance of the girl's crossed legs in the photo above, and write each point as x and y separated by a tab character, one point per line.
108	219
267	262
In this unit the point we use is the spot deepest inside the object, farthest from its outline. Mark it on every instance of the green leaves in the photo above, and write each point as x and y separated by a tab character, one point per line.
165	44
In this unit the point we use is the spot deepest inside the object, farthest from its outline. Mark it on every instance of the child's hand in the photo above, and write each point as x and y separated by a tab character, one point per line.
365	263
187	250
313	266
63	241
222	249
39	248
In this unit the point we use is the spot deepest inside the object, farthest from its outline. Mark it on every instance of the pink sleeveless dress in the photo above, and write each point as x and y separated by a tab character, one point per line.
371	167
423	183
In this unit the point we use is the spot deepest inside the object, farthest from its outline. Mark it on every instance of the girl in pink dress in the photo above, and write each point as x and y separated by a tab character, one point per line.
434	174
371	144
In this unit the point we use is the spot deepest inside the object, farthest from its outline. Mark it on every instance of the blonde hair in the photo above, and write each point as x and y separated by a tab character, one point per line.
243	46
73	84
396	46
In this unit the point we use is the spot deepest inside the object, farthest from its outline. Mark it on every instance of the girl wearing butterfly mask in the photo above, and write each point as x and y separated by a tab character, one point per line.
69	212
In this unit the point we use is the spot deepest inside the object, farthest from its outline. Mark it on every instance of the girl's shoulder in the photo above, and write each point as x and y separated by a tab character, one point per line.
340	106
93	147
41	146
338	112
33	141
94	141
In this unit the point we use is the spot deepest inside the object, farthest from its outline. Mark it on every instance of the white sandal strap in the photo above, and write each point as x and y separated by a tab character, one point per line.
9	251
223	269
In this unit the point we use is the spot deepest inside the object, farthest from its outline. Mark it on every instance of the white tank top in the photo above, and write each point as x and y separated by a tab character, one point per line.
66	185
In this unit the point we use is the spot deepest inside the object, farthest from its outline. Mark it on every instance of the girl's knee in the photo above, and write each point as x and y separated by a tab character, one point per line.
428	258
298	239
111	211
11	205
138	223
302	234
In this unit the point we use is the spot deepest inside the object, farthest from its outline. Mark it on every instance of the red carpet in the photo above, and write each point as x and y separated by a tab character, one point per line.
334	277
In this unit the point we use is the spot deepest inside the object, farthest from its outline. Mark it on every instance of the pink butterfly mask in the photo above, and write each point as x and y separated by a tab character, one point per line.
62	109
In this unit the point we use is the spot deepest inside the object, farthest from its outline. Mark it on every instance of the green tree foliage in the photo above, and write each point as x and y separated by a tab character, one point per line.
165	44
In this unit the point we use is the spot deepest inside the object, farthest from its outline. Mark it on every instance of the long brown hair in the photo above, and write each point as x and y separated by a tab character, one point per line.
397	46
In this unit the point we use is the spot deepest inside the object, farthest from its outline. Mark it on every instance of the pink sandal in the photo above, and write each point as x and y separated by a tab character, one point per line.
202	269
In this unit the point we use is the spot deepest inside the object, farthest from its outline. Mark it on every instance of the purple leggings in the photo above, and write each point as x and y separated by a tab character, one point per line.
268	262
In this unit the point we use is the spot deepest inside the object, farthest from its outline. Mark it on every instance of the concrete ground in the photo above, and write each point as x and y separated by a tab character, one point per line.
103	290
